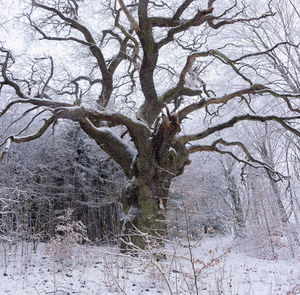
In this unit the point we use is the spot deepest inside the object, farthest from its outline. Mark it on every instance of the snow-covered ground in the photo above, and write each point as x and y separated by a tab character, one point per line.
220	269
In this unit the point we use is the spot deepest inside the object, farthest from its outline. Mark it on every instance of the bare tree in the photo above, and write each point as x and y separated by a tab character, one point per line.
138	69
279	66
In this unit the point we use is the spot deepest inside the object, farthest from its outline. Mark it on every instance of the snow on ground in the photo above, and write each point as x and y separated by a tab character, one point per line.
219	267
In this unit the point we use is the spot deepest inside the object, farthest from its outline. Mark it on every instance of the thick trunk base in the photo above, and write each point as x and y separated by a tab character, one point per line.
144	226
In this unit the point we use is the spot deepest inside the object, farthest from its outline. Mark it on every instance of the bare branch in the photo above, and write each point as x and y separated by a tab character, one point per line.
233	20
39	133
49	78
129	16
37	102
265	51
256	89
95	50
181	90
123	45
8	81
234	120
181	9
52	38
31	121
22	116
200	17
213	148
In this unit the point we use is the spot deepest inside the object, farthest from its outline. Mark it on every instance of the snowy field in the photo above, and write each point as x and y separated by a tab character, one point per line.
216	265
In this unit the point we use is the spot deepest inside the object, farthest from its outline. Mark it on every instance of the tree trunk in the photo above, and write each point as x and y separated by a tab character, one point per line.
144	224
266	154
146	195
161	157
240	223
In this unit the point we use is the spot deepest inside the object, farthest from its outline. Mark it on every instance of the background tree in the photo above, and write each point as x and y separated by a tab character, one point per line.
116	71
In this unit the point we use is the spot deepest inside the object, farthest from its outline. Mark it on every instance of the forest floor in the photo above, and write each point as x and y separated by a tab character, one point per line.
218	266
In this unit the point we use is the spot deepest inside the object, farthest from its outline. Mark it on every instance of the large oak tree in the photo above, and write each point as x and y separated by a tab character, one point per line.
164	57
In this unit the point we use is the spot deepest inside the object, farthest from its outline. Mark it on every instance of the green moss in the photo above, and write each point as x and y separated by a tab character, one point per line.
151	220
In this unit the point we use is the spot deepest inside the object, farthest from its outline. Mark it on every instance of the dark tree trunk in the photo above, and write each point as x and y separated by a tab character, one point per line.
144	222
147	193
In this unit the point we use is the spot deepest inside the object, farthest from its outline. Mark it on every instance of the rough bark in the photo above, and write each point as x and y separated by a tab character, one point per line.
146	195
